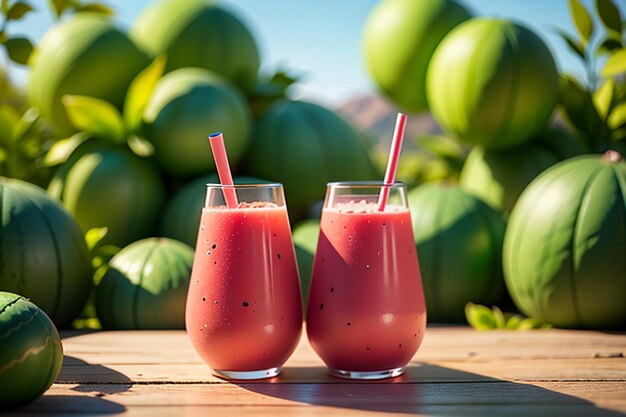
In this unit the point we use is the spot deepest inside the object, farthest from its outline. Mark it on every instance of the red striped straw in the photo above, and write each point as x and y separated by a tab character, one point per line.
392	162
223	169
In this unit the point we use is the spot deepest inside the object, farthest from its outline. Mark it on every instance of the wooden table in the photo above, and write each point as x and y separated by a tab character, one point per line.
458	371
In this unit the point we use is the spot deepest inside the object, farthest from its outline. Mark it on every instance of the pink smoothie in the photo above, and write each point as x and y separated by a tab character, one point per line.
366	309
243	309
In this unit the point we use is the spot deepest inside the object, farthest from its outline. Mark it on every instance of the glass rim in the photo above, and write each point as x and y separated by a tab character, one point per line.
364	184
269	185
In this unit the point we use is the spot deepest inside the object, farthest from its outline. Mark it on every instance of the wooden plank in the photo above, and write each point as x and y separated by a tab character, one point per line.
441	343
614	369
101	408
457	372
388	397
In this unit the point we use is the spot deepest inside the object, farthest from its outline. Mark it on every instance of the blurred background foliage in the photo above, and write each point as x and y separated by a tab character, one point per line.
115	127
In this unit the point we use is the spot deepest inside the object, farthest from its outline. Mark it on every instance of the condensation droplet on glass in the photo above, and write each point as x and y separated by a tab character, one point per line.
387	318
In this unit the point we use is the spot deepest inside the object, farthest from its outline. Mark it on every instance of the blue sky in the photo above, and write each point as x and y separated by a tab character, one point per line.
322	38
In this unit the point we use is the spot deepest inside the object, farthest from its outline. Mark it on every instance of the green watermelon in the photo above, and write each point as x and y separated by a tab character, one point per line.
500	176
85	55
146	286
492	82
30	351
112	188
305	235
181	217
199	33
565	245
459	244
43	251
186	106
399	40
304	146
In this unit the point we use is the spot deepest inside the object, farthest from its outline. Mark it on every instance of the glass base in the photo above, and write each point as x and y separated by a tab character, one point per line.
247	375
369	375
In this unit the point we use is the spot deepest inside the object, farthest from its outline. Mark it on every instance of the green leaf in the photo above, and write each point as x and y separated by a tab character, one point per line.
25	124
18	10
139	93
4	4
95	116
531	323
480	317
578	106
609	15
603	98
19	49
617	118
96	8
101	256
91	323
498	317
140	146
441	146
106	252
619	140
514	322
59	6
94	236
616	64
63	149
270	89
582	20
3	36
8	120
575	46
608	45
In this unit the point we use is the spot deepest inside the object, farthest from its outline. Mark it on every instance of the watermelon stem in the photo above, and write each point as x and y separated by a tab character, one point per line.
612	157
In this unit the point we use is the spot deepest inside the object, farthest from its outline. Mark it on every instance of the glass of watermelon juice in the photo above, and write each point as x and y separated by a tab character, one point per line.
244	312
366	313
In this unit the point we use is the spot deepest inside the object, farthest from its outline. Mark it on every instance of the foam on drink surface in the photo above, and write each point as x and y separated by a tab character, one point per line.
245	205
256	204
364	207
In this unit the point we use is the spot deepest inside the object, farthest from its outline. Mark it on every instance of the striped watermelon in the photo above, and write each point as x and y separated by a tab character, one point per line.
146	286
84	55
492	82
500	176
113	188
565	244
186	104
43	255
459	241
201	34
181	218
305	235
30	351
304	146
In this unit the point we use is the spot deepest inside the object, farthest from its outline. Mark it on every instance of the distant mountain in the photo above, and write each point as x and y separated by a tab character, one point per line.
376	117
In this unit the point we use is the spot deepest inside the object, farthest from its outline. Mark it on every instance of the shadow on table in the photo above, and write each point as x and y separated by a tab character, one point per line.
426	389
69	405
97	380
92	377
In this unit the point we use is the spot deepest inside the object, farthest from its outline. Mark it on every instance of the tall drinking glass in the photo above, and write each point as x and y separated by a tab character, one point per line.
244	313
366	314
